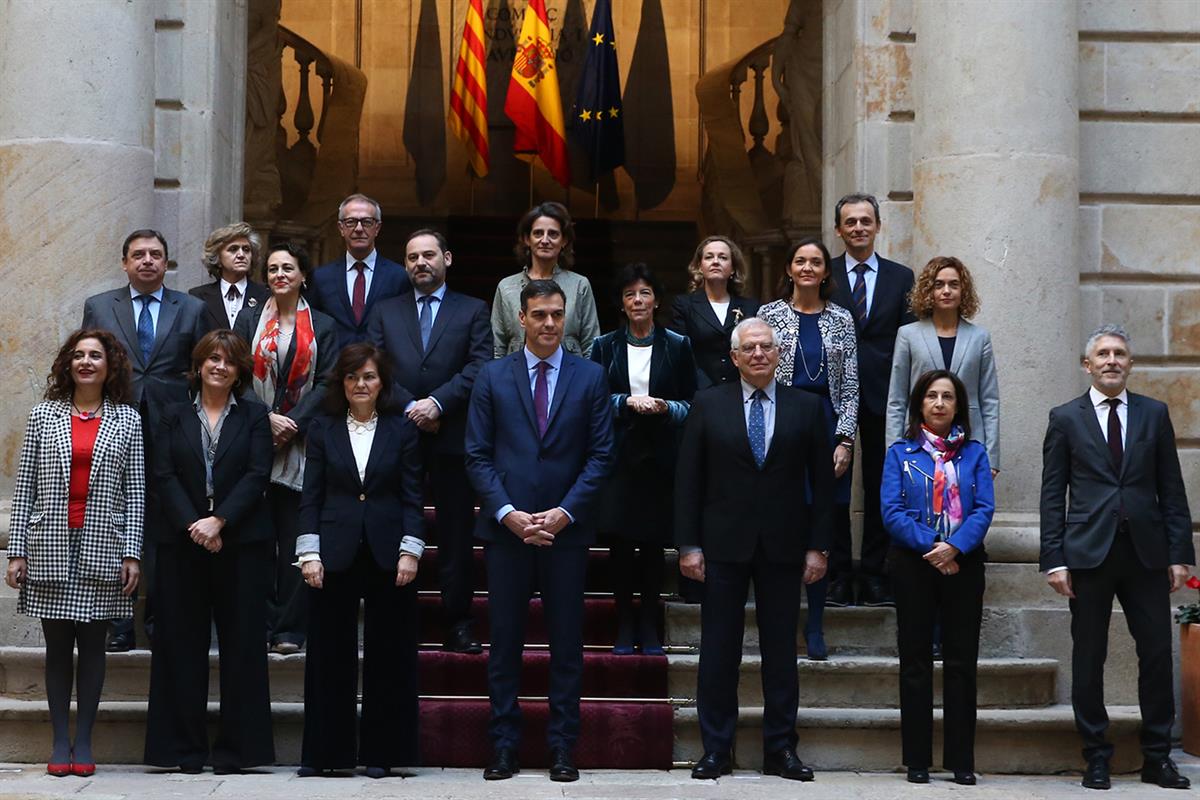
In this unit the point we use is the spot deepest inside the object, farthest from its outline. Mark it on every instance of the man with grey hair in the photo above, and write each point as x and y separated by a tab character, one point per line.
750	451
348	288
1115	523
232	253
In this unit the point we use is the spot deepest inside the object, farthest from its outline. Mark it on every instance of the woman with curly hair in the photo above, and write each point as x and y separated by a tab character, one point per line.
546	250
232	254
712	307
818	352
75	537
943	300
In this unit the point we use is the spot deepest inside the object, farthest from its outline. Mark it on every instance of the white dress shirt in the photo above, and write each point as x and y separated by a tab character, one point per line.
720	309
352	273
639	368
434	307
232	307
868	277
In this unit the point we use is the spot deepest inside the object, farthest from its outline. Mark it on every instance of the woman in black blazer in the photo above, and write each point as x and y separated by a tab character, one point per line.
361	538
293	348
652	376
714	305
212	460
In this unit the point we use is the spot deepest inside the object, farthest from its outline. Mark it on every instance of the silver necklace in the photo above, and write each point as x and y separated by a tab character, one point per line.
812	377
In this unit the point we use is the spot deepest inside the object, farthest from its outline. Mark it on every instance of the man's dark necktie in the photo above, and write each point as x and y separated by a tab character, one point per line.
358	303
426	319
145	329
859	293
757	428
541	398
1115	448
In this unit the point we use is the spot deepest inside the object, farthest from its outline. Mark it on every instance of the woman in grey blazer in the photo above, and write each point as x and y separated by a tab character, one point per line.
75	538
943	299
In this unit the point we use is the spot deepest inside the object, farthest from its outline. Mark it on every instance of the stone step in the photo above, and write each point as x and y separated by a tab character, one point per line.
873	681
1030	741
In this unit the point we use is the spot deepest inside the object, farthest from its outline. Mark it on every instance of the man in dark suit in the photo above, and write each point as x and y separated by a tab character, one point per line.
158	327
539	446
230	255
1126	532
746	448
348	288
438	340
875	290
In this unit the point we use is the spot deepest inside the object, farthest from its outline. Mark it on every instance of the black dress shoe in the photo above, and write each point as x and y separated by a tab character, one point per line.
712	766
1164	773
375	773
918	775
874	592
224	769
562	767
120	643
191	769
460	640
964	777
786	764
840	593
1096	774
503	766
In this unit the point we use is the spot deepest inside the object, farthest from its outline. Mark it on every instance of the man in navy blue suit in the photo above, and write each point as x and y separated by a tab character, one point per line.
348	288
438	340
538	447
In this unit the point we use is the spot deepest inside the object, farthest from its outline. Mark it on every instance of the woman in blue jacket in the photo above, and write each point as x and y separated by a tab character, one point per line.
937	504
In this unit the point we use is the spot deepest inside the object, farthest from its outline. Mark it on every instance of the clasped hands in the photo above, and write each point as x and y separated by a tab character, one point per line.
206	532
426	415
538	529
644	404
941	558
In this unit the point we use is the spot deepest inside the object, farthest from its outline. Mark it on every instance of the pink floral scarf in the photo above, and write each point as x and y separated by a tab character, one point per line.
947	506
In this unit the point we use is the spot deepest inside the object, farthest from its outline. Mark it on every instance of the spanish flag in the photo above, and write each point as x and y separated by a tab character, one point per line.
533	102
468	97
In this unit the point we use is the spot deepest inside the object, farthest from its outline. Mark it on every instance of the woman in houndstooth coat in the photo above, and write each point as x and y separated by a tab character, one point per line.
75	537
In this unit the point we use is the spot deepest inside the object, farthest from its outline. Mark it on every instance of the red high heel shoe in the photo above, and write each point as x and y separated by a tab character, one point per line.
83	770
58	770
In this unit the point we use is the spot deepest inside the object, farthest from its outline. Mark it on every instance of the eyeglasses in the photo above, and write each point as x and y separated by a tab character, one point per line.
749	349
350	223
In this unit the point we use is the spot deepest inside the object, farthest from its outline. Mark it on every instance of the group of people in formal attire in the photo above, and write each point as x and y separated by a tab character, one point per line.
259	457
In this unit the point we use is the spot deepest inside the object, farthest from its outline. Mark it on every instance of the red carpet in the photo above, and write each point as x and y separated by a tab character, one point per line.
626	720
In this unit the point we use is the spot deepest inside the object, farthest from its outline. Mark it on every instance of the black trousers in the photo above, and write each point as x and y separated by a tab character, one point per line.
1145	599
454	500
386	734
875	541
777	591
194	589
559	573
922	595
287	606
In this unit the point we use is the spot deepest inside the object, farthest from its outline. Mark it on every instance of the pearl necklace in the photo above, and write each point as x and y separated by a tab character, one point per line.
361	428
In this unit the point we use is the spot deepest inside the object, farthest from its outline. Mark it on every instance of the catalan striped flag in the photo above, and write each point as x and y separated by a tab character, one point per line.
468	97
533	102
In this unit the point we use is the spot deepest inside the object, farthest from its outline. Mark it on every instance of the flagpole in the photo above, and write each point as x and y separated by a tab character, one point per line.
471	173
596	210
530	162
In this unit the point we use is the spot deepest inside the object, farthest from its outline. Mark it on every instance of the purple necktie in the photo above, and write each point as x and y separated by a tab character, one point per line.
541	398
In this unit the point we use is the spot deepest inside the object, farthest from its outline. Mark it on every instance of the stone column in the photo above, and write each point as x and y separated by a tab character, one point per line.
76	176
996	183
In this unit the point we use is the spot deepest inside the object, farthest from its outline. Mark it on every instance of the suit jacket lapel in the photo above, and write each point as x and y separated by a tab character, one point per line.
658	362
60	439
962	342
930	338
521	376
782	419
231	429
191	431
340	291
567	371
1092	424
123	311
341	445
738	408
166	320
704	310
883	289
1135	424
214	301
382	444
618	373
447	308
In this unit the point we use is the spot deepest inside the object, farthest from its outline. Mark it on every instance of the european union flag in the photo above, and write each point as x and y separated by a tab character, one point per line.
596	118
